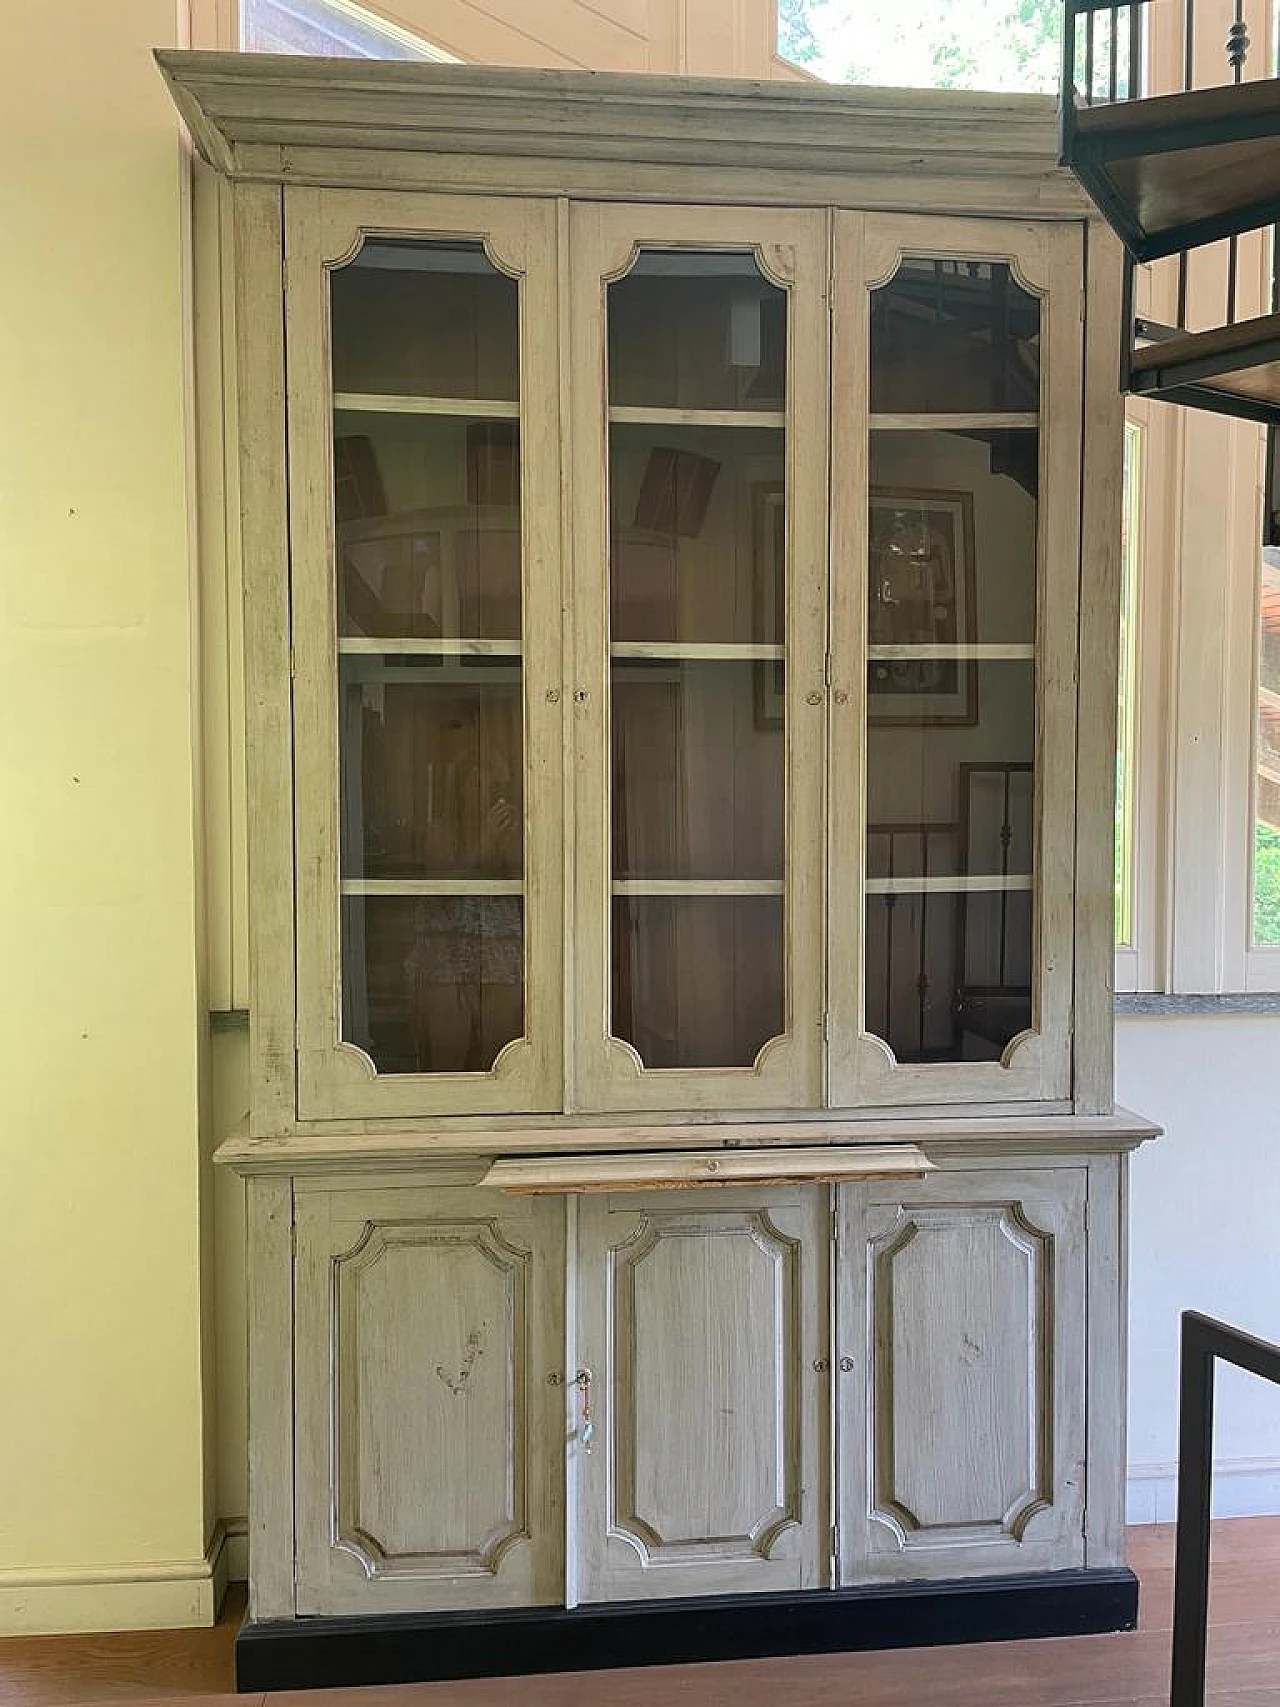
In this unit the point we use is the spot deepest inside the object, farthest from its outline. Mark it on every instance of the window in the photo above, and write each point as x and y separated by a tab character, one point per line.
947	44
1266	826
1126	729
334	28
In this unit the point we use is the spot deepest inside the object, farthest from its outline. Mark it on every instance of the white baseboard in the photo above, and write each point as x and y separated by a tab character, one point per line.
168	1594
1242	1487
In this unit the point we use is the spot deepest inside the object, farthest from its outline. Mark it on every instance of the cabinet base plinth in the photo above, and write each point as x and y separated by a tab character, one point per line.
332	1652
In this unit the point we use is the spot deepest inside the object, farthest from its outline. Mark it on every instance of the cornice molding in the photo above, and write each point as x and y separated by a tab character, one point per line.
262	116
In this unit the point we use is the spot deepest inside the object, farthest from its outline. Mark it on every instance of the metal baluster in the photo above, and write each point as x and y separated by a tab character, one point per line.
1182	289
1189	44
1088	59
1237	53
1135	51
1006	837
922	977
1113	45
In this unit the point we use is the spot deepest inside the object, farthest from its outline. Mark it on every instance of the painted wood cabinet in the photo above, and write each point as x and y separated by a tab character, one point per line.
709	1468
427	1358
962	1407
680	536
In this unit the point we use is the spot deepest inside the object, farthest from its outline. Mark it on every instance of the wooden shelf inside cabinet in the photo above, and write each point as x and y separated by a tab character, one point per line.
673	1171
624	415
405	403
963	885
995	652
983	420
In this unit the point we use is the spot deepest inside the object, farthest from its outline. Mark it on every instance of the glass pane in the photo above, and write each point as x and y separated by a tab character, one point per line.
951	665
428	533
328	29
431	319
432	768
949	975
428	526
697	770
698	332
697	982
697	536
432	984
1127	699
951	336
697	580
1266	852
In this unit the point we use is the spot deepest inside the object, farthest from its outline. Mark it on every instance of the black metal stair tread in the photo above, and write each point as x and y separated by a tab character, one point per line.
1174	171
1227	342
1232	370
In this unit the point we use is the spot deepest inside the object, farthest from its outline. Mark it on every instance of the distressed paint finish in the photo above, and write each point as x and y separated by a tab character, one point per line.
429	1329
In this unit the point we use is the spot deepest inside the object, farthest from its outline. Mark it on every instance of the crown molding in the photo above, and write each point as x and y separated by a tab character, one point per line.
275	118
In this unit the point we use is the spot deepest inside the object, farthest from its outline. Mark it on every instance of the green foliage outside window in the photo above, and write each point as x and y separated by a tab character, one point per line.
943	44
1266	886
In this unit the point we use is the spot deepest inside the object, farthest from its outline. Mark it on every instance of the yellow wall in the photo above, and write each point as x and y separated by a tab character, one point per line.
103	1514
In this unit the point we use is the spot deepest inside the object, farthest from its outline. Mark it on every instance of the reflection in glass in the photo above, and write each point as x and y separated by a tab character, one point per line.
697	582
697	982
954	336
432	768
697	331
431	319
432	984
697	771
951	671
696	518
431	743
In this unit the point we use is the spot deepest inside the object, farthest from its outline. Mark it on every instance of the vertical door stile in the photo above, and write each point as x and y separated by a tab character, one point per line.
424	458
955	442
699	378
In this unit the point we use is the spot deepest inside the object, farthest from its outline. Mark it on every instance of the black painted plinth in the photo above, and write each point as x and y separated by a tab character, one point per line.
310	1653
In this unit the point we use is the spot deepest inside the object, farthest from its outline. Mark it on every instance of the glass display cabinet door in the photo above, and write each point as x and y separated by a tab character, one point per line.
424	518
699	405
955	567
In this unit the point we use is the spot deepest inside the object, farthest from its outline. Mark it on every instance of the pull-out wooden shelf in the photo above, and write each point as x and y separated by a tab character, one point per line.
670	1170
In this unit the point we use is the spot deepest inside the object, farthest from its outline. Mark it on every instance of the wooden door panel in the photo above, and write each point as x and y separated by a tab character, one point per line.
961	1429
702	1317
427	1454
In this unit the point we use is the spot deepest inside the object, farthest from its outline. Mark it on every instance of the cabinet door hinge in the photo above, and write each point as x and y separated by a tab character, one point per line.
826	1026
835	1543
293	670
826	670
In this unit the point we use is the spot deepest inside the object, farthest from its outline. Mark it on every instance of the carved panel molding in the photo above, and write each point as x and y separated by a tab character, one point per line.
961	1419
429	1354
705	1431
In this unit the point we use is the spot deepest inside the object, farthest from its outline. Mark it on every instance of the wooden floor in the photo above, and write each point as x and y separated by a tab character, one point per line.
194	1666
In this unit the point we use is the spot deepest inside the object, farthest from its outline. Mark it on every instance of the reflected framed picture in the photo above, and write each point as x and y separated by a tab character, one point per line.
769	594
921	608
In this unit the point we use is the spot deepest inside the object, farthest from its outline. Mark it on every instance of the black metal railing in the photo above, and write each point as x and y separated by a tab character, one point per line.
1106	60
1104	50
1205	1342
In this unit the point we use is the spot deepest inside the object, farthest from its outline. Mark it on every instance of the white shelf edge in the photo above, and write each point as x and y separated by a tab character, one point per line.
396	403
991	420
623	415
432	886
947	885
979	652
677	887
363	646
707	1168
712	652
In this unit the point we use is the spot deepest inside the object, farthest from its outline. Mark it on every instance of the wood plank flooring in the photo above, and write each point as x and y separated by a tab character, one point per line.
193	1667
